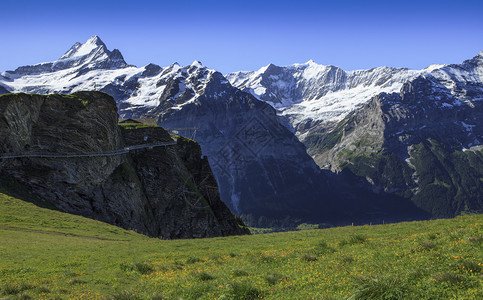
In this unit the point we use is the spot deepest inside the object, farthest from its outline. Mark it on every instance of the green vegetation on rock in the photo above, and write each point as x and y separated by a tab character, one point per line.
449	181
383	168
439	179
325	142
131	126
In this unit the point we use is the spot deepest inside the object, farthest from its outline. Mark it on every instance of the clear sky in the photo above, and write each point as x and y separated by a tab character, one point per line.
246	35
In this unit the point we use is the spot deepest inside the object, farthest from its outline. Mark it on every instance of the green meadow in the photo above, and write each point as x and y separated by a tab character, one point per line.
46	254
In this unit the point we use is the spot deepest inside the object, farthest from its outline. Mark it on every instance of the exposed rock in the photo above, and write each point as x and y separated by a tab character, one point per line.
167	192
264	171
3	90
414	144
312	98
260	167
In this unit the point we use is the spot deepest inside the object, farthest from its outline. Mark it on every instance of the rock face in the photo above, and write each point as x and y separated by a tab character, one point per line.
363	128
411	134
261	167
422	144
315	97
167	192
3	90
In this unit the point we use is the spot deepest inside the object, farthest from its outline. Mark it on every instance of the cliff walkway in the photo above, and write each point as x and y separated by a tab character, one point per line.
70	155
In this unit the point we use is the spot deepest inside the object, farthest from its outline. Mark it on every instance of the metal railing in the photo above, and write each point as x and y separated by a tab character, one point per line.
106	153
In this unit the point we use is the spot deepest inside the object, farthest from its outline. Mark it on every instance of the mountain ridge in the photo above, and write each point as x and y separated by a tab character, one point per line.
167	192
249	120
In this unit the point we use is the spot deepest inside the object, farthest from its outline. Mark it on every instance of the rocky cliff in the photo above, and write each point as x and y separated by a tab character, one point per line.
252	126
163	191
261	167
263	170
313	97
422	144
415	134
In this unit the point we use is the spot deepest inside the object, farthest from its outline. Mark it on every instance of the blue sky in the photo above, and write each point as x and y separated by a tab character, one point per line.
246	35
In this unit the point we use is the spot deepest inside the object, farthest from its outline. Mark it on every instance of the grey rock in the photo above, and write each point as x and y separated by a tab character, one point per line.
167	192
412	143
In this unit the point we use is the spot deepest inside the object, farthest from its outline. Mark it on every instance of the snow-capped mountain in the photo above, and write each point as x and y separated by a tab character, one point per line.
424	144
463	81
91	66
173	87
251	125
311	95
68	73
261	168
78	69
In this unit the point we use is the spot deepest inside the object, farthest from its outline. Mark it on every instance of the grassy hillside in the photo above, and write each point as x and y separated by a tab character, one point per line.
46	254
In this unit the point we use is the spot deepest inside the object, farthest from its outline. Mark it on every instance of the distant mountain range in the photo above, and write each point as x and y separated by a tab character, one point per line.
307	141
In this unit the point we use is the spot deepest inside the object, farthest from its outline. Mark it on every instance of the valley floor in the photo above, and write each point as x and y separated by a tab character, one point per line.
46	254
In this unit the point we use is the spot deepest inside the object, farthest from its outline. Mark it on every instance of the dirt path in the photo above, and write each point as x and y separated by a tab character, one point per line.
59	233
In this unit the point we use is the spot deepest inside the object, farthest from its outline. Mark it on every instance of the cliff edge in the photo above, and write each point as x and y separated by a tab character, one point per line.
69	151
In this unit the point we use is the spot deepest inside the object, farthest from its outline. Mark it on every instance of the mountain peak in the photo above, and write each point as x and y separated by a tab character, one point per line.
95	40
268	68
78	50
93	54
197	64
309	63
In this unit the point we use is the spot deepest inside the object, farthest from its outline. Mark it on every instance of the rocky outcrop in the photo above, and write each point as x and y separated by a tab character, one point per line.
167	192
3	90
312	97
261	167
421	144
251	125
265	172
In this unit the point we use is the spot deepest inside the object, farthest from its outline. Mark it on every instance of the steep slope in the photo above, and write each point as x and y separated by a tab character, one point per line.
167	191
262	168
314	98
311	95
404	132
259	165
423	143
